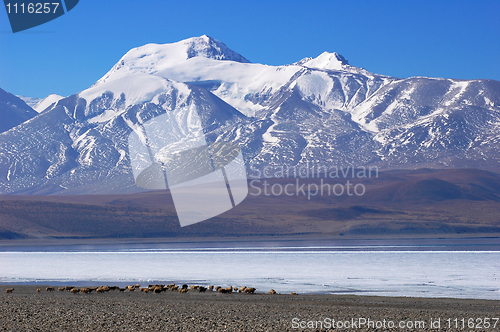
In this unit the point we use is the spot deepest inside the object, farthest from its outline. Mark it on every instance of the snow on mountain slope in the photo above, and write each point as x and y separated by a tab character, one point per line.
198	61
238	84
243	85
136	89
41	105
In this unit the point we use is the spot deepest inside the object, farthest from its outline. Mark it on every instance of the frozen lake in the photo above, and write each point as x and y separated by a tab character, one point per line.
357	270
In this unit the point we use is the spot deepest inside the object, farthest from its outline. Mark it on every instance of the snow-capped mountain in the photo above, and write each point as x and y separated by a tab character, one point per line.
318	111
41	105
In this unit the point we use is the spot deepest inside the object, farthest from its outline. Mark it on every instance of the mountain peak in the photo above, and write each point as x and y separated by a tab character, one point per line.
208	47
326	60
152	58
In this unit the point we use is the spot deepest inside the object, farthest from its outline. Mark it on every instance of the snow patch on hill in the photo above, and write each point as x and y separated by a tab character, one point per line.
46	102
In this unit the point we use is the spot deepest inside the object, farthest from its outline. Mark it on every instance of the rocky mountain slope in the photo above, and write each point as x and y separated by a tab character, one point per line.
13	110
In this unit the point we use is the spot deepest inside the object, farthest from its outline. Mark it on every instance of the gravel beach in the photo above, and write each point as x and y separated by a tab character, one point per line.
27	310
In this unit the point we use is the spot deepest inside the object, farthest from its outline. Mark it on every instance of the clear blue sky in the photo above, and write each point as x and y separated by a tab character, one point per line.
455	39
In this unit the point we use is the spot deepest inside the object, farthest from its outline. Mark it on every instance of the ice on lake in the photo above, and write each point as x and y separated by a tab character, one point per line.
457	274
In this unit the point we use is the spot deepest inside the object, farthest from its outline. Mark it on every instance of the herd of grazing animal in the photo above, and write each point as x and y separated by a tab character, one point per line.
158	288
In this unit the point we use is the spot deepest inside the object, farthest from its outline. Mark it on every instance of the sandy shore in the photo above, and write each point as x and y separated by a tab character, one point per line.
26	310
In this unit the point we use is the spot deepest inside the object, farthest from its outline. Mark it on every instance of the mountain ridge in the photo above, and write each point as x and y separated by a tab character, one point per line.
329	114
14	111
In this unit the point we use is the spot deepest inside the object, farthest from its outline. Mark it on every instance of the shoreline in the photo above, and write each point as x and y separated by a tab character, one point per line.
260	291
491	242
26	309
